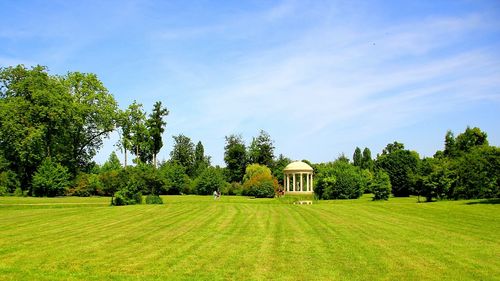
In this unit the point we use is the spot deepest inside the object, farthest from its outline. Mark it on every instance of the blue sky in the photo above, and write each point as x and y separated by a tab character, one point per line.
321	77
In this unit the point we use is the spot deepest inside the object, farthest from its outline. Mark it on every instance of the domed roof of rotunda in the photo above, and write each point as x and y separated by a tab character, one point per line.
298	166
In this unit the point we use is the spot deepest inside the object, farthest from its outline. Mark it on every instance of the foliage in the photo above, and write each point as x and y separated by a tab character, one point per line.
259	182
470	138
401	165
357	157
478	173
87	185
175	177
127	196
339	180
255	169
112	164
112	181
209	180
235	157
153	199
8	181
381	186
183	153
261	150
201	162
366	160
61	117
234	188
51	179
146	179
279	165
156	127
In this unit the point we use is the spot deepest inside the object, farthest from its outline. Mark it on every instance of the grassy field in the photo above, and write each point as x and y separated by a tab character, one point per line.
237	238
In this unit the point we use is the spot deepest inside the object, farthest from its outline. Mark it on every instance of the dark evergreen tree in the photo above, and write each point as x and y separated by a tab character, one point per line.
357	158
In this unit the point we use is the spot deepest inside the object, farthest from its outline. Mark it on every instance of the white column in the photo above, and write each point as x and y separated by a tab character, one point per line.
294	182
287	182
312	188
307	183
301	183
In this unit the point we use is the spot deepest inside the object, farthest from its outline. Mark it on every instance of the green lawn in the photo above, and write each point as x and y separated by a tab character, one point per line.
237	238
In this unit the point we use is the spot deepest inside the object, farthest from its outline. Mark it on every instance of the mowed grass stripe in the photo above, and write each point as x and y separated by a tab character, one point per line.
196	238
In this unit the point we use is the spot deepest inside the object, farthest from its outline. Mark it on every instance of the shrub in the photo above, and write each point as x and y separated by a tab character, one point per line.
209	180
51	179
259	182
381	186
234	188
87	185
261	186
153	199
127	196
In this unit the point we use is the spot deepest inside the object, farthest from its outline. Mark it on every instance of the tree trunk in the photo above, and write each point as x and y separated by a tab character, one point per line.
125	154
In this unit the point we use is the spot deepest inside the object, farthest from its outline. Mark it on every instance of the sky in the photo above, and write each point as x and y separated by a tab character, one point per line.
321	77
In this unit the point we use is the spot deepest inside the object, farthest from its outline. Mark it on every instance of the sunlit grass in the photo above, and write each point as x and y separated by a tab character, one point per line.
235	238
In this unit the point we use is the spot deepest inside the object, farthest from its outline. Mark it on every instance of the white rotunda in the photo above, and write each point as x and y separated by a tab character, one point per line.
298	178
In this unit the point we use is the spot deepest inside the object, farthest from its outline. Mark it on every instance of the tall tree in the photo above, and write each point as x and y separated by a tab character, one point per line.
449	144
401	165
62	117
261	150
183	153
356	157
235	157
201	161
93	116
140	142
156	126
367	161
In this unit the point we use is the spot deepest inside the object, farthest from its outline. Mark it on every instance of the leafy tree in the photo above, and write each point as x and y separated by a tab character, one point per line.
381	186
255	169
259	182
261	150
235	158
366	160
201	162
87	185
61	117
156	126
176	179
209	180
478	173
357	158
278	167
51	179
139	135
92	117
449	145
183	153
393	147
401	165
339	180
471	138
112	164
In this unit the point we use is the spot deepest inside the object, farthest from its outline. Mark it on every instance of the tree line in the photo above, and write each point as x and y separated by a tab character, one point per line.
51	127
